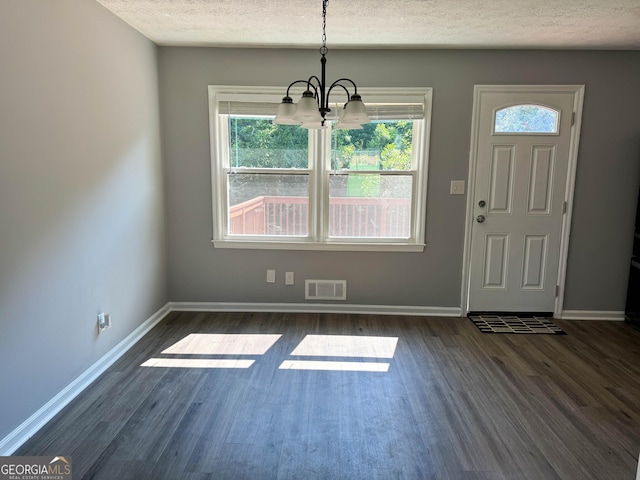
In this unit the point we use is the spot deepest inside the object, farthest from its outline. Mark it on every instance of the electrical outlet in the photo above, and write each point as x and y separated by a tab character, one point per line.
271	276
288	278
104	321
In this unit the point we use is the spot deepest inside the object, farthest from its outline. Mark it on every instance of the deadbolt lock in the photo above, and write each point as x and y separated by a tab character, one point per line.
482	203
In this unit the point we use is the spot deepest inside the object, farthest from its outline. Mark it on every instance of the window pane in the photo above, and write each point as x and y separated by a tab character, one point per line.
526	119
259	143
263	204
380	145
370	205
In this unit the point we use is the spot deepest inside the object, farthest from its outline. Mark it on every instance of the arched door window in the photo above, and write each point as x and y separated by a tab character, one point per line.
526	119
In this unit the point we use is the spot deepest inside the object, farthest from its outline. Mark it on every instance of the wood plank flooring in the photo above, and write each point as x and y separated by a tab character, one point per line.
454	404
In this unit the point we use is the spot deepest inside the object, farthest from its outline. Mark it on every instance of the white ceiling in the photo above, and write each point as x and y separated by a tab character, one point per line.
548	24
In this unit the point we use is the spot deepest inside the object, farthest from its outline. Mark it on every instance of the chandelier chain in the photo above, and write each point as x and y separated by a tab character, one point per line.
324	48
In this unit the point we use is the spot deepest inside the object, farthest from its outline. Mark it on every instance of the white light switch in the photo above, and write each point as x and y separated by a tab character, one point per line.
271	276
288	278
457	187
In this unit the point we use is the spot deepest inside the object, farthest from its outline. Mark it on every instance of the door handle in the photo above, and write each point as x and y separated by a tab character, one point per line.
480	218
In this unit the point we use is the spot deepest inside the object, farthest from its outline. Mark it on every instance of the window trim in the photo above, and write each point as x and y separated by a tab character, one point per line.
319	177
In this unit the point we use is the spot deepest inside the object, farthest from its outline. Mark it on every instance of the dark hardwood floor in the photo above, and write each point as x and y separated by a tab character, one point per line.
454	404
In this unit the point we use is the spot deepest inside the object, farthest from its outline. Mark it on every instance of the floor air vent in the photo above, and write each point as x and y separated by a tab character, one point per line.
325	289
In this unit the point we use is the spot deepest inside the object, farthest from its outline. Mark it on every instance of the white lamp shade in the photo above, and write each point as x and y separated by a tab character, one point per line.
355	112
307	110
342	125
285	114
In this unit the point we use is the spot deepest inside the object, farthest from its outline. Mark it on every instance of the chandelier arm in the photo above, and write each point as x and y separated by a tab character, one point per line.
295	82
311	84
335	84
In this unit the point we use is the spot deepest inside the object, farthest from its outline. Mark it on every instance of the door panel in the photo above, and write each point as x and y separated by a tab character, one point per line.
519	194
535	259
501	186
541	180
495	261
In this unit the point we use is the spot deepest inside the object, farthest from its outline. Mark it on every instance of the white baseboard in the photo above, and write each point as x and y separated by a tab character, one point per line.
615	316
316	308
35	422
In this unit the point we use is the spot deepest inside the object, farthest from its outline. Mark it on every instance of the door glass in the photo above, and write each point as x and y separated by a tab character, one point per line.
526	119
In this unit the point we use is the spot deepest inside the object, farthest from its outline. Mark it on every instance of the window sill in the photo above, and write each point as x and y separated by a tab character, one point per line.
332	246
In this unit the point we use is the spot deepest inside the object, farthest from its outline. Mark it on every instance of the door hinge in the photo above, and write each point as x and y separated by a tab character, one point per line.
564	207
573	118
557	290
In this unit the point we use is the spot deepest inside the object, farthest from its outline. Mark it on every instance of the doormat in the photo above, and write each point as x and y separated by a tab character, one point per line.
488	323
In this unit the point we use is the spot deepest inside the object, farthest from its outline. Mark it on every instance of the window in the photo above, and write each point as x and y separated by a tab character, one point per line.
286	187
527	119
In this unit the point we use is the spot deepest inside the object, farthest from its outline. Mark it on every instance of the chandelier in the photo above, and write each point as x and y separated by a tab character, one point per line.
312	109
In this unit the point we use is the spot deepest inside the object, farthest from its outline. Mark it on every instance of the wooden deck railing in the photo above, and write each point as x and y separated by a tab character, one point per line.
348	216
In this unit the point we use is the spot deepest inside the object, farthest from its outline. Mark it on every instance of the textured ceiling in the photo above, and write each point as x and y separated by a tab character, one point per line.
571	24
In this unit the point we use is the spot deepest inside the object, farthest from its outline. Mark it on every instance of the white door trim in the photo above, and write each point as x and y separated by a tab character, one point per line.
578	92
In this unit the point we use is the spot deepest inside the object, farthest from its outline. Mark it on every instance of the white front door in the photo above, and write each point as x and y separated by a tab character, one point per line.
523	141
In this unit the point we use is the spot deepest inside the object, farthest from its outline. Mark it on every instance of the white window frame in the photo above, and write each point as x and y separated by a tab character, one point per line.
319	174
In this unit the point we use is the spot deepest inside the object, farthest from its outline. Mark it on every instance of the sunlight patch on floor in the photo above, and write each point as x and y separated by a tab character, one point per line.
334	366
346	346
223	344
197	363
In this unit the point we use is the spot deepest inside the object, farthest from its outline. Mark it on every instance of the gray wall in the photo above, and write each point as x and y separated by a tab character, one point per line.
606	191
82	217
